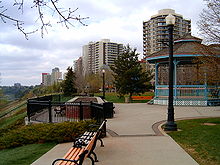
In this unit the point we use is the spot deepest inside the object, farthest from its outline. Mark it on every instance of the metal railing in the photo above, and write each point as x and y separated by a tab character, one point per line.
54	112
189	91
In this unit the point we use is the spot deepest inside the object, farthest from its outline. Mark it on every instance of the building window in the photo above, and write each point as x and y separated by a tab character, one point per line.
161	23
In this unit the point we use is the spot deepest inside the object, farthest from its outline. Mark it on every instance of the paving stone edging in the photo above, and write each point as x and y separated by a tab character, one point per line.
157	127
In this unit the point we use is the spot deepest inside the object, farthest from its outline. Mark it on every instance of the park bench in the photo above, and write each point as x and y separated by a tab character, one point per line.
215	93
60	110
83	148
142	97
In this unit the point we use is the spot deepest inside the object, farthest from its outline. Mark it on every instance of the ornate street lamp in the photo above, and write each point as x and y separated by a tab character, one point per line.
170	124
103	83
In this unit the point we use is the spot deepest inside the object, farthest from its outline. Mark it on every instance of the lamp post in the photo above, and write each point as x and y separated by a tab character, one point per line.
103	83
170	124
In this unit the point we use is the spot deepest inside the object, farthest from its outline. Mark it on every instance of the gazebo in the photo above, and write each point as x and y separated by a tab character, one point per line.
188	88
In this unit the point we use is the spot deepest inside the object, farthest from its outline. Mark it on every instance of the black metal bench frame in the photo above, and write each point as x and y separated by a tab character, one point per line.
83	142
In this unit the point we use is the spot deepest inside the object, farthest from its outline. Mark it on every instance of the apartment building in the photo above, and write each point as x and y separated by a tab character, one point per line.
56	75
97	55
78	66
49	79
155	33
46	79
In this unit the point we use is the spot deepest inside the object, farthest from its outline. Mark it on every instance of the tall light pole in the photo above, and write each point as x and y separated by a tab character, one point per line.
170	124
103	83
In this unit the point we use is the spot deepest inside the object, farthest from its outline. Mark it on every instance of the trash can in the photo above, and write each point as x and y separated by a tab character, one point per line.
108	108
127	99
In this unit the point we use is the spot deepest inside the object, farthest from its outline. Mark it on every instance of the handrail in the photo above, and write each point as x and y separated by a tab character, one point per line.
64	111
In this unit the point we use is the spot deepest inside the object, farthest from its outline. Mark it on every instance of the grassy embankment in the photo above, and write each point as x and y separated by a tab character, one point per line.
12	112
200	138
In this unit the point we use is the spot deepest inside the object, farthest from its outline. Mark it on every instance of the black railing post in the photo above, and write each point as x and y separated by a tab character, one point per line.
28	110
50	111
104	110
80	111
59	98
92	110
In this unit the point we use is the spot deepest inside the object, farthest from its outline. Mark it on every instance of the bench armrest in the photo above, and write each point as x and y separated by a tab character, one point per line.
97	125
93	126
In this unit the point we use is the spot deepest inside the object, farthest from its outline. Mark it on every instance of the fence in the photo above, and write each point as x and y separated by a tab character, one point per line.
188	91
196	95
54	112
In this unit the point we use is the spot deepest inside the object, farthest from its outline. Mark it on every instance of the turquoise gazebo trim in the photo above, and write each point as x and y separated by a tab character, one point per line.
150	59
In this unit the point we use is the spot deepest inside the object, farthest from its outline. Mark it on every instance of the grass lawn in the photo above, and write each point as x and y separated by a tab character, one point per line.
113	97
15	111
24	155
200	138
10	120
13	107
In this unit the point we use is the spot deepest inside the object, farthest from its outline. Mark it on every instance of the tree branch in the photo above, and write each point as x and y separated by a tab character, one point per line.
70	16
17	23
20	5
65	16
209	23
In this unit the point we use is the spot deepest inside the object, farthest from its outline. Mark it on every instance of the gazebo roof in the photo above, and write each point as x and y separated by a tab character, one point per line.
187	46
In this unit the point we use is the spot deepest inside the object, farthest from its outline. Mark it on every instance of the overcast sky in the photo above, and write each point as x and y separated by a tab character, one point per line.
23	61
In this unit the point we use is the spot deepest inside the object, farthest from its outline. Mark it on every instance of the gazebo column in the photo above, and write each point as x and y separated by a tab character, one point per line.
205	87
175	78
156	79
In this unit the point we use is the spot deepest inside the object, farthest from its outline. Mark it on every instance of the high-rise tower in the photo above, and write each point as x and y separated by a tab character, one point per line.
155	33
56	75
99	54
46	79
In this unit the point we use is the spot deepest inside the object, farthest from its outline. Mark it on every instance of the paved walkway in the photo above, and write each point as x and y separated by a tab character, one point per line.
132	140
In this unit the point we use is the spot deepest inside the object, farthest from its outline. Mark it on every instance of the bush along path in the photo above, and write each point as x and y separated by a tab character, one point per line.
42	133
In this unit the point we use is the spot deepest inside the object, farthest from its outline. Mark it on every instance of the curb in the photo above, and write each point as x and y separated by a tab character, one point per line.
157	127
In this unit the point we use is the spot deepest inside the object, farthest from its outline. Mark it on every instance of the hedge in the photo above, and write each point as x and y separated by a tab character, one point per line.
41	133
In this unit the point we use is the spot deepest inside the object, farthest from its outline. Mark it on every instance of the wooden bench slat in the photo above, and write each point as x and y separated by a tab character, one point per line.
75	155
71	154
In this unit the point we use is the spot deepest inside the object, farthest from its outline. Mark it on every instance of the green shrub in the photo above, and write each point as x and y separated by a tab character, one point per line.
41	133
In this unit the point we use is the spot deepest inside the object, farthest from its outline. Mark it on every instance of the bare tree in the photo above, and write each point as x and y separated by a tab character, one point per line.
64	16
80	83
207	65
94	83
209	23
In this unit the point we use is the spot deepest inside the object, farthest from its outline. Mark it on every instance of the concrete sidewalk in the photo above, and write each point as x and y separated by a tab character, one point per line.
132	140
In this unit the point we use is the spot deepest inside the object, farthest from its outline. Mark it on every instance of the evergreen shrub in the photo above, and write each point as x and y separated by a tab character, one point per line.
42	133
